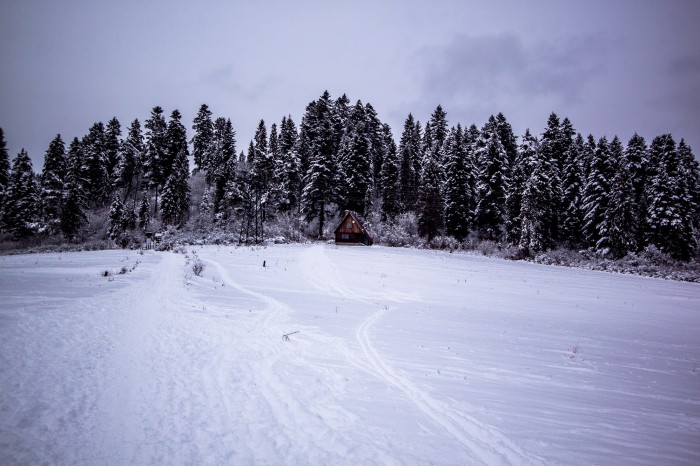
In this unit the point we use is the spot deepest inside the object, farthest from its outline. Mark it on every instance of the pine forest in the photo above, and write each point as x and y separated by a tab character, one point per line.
433	184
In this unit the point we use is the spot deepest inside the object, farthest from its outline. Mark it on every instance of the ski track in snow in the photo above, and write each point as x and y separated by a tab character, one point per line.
484	443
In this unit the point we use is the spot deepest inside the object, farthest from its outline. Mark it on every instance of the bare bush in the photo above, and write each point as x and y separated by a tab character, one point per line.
197	266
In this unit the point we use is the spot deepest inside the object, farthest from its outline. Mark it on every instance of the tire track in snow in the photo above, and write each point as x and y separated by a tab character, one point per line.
484	443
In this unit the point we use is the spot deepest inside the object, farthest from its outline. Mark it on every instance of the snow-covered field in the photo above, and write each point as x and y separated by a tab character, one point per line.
401	357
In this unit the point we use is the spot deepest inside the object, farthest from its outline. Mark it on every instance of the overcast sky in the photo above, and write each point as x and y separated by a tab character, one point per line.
612	67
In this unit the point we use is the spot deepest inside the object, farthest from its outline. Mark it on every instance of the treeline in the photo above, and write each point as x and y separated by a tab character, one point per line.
555	189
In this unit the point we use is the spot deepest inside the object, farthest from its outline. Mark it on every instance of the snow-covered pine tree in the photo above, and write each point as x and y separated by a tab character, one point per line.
691	176
621	215
175	200
409	160
262	165
116	218
377	149
4	172
175	143
21	204
156	147
459	198
52	185
536	198
490	182
668	217
203	134
341	112
73	214
221	168
637	155
75	171
4	165
430	201
519	174
261	173
573	180
288	170
390	181
508	139
129	167
98	183
113	131
553	146
319	181
355	163
144	214
596	198
436	134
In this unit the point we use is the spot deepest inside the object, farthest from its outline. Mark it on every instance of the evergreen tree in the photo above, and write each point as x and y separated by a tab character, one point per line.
436	134
390	180
596	197
156	148
203	134
176	192
72	217
355	163
261	177
573	180
97	181
129	167
621	216
261	164
520	172
288	170
116	218
536	201
21	207
459	199
637	157
175	144
75	172
144	214
377	148
690	174
430	201
73	214
409	159
668	218
112	133
553	146
508	139
491	182
52	184
273	146
222	161
319	181
4	165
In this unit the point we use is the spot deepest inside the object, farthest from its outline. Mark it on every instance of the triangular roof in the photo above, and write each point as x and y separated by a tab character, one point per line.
353	216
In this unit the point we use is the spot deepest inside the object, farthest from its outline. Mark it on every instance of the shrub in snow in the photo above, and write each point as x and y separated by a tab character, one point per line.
445	242
197	266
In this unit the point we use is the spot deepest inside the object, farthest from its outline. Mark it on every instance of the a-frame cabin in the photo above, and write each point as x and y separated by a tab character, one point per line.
351	232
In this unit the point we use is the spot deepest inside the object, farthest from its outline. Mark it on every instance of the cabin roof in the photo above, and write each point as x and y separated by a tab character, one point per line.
353	216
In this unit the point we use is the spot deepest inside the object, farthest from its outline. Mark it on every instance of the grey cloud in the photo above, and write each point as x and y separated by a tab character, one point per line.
486	73
686	65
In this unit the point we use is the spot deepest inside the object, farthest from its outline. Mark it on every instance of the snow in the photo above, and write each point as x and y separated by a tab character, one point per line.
401	357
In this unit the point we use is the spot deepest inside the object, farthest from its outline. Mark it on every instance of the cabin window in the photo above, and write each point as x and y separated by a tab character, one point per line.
344	236
349	226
